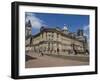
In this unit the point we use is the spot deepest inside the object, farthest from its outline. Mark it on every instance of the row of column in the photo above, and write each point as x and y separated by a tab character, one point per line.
53	48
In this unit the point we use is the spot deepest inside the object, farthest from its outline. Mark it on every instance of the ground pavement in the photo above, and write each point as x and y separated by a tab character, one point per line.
37	60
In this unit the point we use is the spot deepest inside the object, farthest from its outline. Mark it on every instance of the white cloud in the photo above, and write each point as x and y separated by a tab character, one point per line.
35	21
86	31
86	27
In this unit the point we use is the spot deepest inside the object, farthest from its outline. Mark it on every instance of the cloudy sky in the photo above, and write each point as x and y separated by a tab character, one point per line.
73	22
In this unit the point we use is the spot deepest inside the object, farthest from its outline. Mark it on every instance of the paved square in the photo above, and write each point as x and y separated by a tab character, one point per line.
37	60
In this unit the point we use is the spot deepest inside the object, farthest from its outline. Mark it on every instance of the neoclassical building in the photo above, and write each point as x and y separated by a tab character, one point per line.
56	41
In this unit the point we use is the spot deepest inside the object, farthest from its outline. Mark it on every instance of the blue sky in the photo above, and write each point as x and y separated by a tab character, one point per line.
73	22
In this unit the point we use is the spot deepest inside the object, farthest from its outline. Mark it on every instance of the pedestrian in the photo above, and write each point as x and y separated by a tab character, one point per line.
42	53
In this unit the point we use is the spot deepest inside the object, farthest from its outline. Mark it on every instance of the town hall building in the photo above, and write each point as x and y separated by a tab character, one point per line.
55	41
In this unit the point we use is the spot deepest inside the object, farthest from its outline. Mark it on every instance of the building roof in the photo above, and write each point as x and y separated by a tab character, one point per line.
57	30
65	28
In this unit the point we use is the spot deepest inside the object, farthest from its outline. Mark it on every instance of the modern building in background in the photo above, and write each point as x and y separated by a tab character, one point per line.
56	41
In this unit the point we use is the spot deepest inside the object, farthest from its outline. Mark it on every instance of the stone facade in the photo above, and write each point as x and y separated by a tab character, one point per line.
57	41
28	35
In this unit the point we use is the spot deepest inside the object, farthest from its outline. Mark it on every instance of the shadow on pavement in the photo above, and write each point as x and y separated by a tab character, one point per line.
27	58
